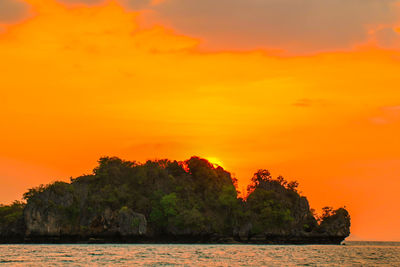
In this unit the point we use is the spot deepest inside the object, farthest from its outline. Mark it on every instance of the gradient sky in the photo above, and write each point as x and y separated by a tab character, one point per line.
306	89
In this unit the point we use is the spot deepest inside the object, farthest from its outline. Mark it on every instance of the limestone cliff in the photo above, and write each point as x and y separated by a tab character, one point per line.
168	201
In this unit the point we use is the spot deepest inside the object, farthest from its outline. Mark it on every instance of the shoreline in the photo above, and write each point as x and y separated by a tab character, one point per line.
186	240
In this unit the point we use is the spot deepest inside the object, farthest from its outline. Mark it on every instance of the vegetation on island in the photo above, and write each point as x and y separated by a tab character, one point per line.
173	200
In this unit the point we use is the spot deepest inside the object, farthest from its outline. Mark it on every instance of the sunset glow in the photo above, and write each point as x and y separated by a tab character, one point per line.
215	161
81	81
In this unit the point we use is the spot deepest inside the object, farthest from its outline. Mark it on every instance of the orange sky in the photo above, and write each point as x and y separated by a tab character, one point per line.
82	81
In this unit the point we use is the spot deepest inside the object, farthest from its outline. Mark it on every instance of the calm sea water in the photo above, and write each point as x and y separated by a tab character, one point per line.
352	254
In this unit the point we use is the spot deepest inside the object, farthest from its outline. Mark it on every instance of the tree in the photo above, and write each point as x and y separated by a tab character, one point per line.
282	180
293	185
327	212
33	192
259	178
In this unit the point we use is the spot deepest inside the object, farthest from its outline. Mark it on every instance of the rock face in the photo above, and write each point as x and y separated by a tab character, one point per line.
337	224
131	223
42	215
125	222
169	202
57	212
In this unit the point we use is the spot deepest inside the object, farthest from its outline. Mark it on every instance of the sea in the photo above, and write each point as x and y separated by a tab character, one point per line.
350	254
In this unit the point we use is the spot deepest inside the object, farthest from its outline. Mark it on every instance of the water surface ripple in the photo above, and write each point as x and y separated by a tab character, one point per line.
352	254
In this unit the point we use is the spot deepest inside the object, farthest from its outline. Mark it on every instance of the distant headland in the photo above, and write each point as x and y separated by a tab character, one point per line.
165	201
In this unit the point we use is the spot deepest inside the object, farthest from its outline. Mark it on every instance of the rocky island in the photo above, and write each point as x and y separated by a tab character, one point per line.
166	201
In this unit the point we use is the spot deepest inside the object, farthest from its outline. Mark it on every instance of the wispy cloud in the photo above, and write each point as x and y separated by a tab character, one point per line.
297	26
294	26
12	10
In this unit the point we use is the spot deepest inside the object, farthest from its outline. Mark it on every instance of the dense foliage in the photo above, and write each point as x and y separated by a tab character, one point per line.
173	196
11	213
192	197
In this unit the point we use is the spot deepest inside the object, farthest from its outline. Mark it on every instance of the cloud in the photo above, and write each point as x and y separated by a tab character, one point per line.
12	10
386	115
298	26
132	4
295	26
388	38
86	2
392	108
139	4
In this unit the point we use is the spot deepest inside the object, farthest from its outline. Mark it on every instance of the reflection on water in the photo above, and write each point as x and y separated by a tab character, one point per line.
353	253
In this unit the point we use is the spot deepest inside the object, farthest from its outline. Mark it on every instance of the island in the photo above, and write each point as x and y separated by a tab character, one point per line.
164	201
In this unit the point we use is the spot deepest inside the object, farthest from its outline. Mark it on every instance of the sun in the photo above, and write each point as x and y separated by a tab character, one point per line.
215	161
